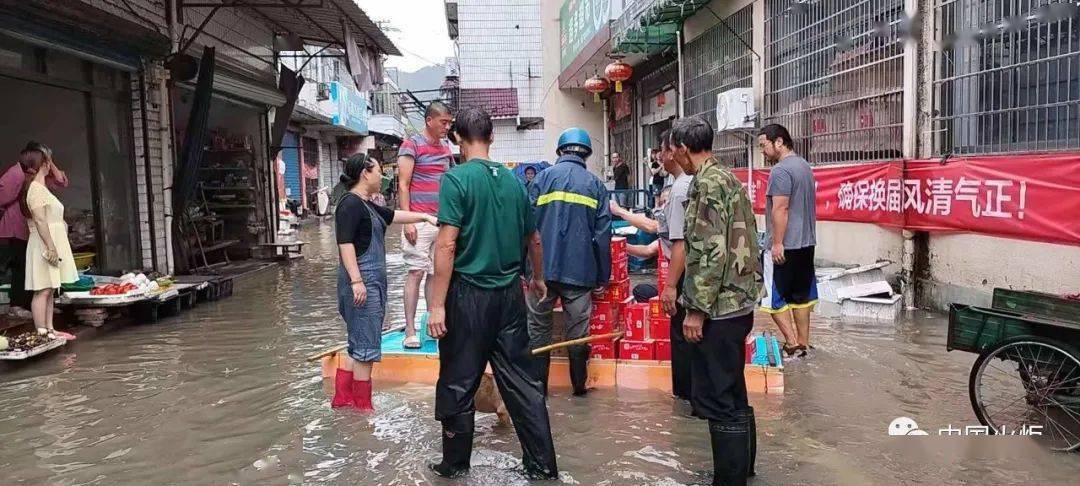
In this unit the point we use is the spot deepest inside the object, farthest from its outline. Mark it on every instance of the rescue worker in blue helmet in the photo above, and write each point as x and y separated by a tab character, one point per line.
574	220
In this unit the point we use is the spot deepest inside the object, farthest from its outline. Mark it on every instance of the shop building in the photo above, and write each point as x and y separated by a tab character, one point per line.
893	114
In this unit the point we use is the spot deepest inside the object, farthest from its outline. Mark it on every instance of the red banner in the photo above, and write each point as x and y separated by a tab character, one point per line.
1034	197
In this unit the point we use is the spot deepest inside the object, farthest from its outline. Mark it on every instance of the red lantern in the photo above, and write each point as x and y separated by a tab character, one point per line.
596	85
618	71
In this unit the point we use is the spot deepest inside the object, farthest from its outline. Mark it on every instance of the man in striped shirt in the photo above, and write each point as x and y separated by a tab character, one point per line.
422	161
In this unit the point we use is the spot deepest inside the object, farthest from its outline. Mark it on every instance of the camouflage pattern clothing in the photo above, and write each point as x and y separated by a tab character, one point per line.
723	268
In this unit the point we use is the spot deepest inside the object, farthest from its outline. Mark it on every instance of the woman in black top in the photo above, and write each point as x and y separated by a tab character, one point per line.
361	234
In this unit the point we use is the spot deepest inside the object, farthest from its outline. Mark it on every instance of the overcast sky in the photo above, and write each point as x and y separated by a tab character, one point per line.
421	26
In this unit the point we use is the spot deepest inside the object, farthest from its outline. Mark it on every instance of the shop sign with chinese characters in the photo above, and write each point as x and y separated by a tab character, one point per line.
1033	197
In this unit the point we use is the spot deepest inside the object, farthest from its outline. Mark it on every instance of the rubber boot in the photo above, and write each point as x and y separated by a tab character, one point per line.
579	368
729	451
457	441
751	446
542	363
362	396
343	389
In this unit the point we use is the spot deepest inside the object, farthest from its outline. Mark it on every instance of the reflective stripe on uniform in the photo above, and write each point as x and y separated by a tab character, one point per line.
567	197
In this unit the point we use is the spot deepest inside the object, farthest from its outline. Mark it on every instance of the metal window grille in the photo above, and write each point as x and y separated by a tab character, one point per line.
715	62
1007	76
834	77
622	140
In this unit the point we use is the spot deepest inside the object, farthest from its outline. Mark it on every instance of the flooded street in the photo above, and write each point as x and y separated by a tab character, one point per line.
223	395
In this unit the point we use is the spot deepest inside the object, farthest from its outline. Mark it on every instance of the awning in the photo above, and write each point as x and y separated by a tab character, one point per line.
324	22
498	102
650	26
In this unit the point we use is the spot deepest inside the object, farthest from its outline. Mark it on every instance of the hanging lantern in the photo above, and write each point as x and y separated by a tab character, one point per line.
618	72
596	85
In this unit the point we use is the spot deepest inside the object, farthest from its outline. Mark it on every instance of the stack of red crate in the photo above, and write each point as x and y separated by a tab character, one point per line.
636	343
609	302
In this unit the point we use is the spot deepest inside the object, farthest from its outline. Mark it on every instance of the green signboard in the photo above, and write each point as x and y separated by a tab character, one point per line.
579	21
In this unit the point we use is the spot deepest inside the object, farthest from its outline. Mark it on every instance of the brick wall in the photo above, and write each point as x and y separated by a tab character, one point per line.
513	145
155	120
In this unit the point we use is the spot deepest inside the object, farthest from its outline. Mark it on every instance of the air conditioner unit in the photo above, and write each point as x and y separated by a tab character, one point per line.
735	109
323	92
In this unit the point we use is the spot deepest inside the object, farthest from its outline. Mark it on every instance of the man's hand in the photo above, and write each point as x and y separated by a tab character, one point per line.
615	208
538	288
668	299
693	325
436	326
777	251
430	219
410	233
359	293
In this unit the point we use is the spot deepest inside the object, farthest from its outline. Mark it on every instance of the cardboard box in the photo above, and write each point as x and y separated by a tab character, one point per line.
600	326
656	308
637	350
663	349
619	291
604	313
662	262
660	327
620	270
636	320
618	247
603	349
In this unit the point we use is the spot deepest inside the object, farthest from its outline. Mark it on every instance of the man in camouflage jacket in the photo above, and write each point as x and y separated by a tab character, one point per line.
723	283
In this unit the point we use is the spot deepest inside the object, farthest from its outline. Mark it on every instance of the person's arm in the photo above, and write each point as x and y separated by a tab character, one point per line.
445	250
57	179
38	215
405	173
676	266
644	251
637	220
409	217
347	223
534	246
780	205
9	191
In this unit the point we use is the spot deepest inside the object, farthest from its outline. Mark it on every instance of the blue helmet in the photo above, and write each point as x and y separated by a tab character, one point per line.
575	140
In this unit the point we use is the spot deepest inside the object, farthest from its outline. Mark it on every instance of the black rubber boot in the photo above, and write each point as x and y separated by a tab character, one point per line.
542	362
729	451
751	446
579	368
457	442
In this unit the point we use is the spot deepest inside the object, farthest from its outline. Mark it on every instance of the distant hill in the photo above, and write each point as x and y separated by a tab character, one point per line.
427	78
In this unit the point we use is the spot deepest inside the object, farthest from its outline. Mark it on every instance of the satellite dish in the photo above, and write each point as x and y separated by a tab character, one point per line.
182	67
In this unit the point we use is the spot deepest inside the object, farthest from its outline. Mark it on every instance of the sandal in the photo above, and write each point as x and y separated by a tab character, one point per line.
66	336
411	342
790	350
43	331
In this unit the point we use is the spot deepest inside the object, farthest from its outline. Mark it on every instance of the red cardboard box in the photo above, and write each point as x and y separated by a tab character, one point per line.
603	349
620	270
656	308
618	247
636	318
604	312
637	350
600	326
663	350
663	262
619	291
660	327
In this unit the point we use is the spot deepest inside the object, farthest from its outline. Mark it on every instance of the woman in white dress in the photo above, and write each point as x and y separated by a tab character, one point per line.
49	261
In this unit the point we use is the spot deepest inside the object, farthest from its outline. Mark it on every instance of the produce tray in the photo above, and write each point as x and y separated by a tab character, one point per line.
86	296
30	353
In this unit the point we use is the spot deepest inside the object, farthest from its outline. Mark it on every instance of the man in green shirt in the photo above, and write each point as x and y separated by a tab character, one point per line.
478	311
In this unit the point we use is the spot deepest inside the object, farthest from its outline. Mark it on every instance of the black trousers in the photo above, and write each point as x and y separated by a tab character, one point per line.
681	384
485	325
718	385
13	262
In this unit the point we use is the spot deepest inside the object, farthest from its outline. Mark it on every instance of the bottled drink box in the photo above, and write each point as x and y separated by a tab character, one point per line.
637	350
663	349
603	349
636	319
660	326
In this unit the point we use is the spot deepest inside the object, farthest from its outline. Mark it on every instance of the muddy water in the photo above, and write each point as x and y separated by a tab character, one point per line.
222	395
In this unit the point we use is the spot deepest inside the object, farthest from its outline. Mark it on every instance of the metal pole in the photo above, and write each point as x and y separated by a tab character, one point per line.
678	45
607	144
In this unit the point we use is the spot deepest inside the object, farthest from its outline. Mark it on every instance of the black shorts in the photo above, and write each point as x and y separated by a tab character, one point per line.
792	285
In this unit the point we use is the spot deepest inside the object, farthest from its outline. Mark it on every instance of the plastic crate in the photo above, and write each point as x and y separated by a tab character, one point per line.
974	329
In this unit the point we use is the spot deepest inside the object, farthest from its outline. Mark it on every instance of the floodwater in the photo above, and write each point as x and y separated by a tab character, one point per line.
222	395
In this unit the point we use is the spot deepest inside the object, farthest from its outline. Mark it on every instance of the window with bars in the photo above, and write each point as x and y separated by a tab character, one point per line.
1007	76
834	77
714	62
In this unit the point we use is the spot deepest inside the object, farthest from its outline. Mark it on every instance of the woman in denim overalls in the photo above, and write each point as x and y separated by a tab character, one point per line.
361	230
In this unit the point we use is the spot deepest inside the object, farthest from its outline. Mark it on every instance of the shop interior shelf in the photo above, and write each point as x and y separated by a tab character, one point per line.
232	188
232	169
230	206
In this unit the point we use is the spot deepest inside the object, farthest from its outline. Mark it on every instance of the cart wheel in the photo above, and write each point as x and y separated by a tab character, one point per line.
1026	381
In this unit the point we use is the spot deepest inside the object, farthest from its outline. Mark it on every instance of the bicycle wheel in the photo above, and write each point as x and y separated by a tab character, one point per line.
1029	381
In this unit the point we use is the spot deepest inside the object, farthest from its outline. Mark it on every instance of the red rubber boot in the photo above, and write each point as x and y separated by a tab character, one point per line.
362	395
343	389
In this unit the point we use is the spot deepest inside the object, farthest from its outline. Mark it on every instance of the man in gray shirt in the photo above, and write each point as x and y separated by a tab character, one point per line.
790	222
